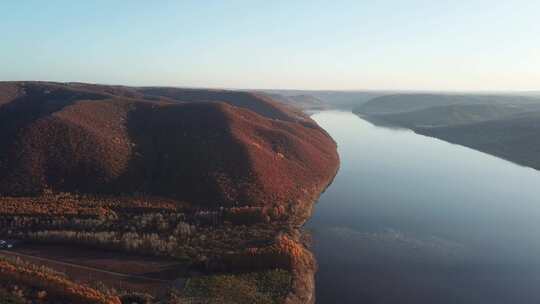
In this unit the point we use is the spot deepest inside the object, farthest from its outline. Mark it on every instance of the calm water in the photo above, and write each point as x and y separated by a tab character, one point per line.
412	219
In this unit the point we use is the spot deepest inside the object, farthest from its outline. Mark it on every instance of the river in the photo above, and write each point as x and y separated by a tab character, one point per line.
413	219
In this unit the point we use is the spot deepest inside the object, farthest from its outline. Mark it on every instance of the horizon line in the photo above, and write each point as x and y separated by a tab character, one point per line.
359	90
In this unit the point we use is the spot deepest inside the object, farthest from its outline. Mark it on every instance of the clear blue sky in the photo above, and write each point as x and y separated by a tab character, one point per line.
425	45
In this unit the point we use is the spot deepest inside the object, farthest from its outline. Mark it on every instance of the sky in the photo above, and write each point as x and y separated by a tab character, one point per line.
459	45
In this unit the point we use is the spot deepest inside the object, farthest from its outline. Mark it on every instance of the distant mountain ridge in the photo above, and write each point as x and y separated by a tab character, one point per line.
455	114
399	103
514	138
502	125
320	99
303	101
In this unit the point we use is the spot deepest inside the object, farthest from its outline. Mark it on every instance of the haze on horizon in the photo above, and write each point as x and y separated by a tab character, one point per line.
342	45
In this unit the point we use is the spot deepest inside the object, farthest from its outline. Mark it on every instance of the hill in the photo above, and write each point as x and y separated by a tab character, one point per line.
218	180
210	147
450	115
513	138
338	100
303	101
397	103
501	125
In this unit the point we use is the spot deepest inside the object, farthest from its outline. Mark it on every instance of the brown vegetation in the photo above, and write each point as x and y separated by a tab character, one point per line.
246	150
52	283
219	178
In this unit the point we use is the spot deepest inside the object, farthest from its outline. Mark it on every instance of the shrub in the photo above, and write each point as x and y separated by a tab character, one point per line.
252	288
40	277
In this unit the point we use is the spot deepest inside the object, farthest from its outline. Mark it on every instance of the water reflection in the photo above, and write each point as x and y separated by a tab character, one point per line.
412	219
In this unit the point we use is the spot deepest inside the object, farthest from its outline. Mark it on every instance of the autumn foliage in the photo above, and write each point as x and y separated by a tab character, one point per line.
284	253
52	283
211	148
220	178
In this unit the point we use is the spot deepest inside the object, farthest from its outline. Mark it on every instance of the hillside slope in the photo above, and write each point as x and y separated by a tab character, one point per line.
220	180
399	103
451	115
301	101
504	126
208	147
320	99
514	138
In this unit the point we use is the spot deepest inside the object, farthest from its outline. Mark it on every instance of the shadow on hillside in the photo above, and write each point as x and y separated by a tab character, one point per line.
186	152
